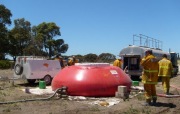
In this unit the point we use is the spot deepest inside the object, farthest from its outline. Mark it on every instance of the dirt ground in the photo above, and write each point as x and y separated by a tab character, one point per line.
13	92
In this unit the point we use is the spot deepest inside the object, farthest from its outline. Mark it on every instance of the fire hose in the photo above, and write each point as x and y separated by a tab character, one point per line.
169	96
163	95
60	91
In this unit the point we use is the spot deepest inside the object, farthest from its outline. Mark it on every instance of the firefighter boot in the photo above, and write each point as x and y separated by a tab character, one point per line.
167	92
154	101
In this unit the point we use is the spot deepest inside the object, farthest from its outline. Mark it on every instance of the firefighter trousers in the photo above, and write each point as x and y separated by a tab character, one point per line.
150	92
166	84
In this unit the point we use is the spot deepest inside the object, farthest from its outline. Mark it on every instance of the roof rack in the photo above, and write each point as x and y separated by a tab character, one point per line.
146	41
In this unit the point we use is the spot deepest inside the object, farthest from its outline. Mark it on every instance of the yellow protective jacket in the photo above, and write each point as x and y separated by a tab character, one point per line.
72	62
150	70
165	68
117	63
57	59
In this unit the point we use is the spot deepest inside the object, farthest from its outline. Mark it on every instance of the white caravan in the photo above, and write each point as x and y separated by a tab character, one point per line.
35	68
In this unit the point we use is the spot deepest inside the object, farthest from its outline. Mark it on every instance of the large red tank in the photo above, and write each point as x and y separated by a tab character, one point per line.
91	79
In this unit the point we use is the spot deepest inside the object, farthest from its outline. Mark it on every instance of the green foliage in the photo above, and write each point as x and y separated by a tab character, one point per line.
106	57
102	58
80	58
19	37
4	64
90	57
60	46
44	35
24	40
5	15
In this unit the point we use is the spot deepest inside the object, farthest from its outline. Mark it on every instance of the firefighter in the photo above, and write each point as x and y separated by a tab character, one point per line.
165	72
149	77
118	62
72	61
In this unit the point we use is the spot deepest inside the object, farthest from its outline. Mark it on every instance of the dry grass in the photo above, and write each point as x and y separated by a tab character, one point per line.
63	106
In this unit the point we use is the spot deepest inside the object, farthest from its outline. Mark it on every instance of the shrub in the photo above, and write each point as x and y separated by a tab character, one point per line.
5	64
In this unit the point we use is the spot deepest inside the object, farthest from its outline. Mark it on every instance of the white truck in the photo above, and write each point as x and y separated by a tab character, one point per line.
35	68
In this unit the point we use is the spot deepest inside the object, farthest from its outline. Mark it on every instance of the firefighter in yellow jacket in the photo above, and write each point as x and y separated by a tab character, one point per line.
149	77
72	61
118	62
165	72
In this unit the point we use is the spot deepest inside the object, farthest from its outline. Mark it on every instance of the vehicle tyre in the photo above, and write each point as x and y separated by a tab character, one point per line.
18	69
31	81
47	79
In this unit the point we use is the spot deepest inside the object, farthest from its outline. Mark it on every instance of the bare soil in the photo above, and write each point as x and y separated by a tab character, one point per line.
55	105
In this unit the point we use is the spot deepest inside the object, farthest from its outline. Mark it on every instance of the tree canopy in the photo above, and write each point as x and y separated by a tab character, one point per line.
19	37
5	15
38	40
45	32
24	40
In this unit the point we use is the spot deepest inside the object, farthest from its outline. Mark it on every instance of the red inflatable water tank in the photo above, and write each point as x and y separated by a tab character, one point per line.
91	79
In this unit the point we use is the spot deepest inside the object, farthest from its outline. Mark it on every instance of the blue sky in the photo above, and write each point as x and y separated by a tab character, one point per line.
104	26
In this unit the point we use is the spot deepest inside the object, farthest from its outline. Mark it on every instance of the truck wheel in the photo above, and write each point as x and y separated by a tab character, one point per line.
18	69
47	79
31	81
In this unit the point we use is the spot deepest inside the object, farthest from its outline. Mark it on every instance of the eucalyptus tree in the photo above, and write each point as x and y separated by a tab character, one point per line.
5	15
60	46
20	37
90	57
45	34
106	57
